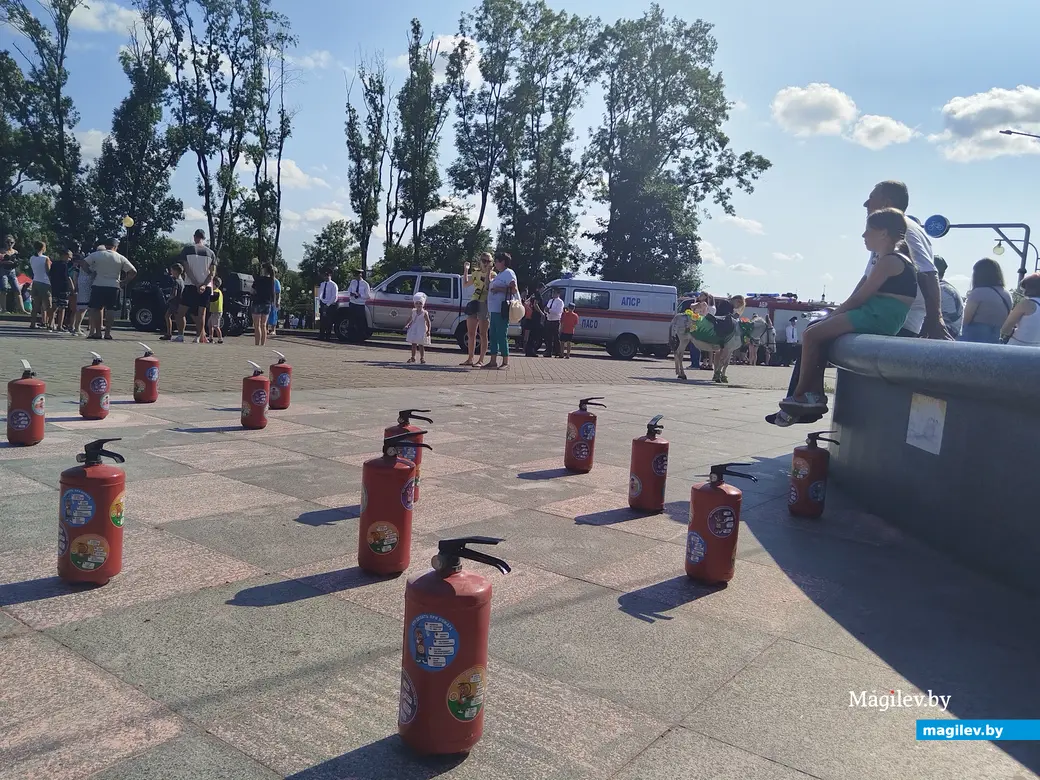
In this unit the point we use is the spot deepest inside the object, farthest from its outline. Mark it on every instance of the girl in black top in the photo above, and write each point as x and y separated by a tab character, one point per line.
60	275
263	298
878	305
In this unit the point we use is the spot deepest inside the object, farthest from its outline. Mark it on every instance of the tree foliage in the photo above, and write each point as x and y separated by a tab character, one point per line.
334	247
367	142
661	148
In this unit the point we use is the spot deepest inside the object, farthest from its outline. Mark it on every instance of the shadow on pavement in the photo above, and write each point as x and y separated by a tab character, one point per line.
676	381
225	408
415	366
385	759
650	603
6	445
38	590
322	517
214	429
545	474
301	588
610	517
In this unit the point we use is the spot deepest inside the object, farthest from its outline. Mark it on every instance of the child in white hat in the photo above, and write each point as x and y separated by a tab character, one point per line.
419	328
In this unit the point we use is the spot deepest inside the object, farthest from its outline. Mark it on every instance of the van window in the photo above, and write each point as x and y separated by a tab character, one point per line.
435	286
402	285
592	299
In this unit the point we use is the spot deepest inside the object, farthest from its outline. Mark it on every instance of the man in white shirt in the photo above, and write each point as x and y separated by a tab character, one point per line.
553	314
106	266
327	294
200	268
358	290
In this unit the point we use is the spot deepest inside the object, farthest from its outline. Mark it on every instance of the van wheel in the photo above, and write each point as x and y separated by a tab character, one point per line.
462	337
143	319
626	347
342	328
662	352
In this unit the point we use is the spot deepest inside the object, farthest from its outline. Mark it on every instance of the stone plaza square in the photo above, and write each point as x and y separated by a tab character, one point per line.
241	640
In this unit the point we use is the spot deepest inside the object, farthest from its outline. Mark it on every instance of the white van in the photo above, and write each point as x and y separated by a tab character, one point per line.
626	317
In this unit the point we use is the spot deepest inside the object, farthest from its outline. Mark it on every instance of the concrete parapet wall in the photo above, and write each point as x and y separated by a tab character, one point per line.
942	439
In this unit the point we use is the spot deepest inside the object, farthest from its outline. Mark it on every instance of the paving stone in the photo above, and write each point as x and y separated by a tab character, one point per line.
29	521
192	756
156	565
139	465
116	419
503	487
14	484
791	691
324	445
63	717
433	464
53	445
184	498
227	455
304	478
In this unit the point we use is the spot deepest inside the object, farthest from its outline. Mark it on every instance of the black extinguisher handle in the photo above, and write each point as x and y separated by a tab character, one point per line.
407	415
450	553
95	451
585	403
257	371
95	359
281	357
654	427
27	372
490	560
722	470
815	438
393	444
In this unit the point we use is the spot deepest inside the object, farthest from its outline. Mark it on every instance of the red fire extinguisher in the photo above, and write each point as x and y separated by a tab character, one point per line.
581	437
711	542
255	392
91	516
26	408
447	613
281	382
387	485
648	470
95	381
146	377
414	454
809	467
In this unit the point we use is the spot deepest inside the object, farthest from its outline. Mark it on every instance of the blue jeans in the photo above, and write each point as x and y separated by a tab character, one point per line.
498	341
978	333
9	281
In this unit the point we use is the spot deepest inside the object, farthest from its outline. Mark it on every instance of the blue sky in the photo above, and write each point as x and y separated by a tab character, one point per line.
837	95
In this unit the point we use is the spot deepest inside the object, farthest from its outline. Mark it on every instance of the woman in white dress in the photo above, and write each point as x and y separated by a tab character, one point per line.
419	327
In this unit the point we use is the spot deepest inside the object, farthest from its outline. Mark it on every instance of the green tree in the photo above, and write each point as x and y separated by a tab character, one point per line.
422	108
367	148
544	176
661	148
132	175
446	244
481	111
49	116
334	247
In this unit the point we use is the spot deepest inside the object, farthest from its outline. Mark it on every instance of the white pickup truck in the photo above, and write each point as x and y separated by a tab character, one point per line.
390	305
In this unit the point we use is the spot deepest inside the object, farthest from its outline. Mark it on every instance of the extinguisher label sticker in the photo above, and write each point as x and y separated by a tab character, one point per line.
259	398
99	385
588	431
63	540
722	521
139	386
409	700
818	491
572	432
283	379
792	496
660	465
364	499
118	511
83	398
246	409
19	420
39	405
433	642
695	547
89	552
77	508
408	453
635	487
466	694
105	402
581	451
408	495
275	393
799	468
382	538
152	374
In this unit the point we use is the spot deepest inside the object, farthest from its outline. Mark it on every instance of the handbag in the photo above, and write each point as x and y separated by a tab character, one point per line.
516	311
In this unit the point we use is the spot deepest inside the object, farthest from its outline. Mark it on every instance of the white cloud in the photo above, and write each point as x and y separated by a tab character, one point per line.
710	254
444	44
747	225
747	269
90	142
319	59
783	257
973	124
826	278
327	213
738	105
293	176
192	214
103	16
959	279
820	109
877	132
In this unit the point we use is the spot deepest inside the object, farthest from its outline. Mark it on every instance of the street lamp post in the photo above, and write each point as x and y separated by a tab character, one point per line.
1016	132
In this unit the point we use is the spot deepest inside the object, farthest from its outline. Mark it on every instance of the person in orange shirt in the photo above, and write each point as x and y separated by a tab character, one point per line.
568	322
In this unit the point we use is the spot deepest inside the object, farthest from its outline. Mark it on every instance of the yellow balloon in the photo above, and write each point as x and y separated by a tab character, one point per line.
128	222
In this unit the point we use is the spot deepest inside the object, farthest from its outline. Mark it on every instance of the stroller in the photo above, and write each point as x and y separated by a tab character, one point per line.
238	296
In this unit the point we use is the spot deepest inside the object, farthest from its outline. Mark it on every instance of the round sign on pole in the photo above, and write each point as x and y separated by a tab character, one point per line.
937	226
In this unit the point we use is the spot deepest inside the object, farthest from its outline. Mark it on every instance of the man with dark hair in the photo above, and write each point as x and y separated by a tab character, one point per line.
328	292
952	303
200	268
106	265
359	292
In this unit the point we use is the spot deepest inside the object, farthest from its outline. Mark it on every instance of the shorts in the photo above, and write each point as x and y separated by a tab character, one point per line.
104	298
9	280
261	309
173	307
214	319
272	318
41	296
566	338
61	300
881	315
478	309
194	299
